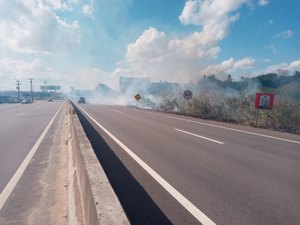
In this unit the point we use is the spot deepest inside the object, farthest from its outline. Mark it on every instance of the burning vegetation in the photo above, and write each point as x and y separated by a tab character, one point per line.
233	101
213	99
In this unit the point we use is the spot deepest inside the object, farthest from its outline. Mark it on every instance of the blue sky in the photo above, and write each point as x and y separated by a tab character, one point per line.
82	43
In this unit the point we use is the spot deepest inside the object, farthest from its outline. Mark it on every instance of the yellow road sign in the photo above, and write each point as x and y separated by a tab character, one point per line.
138	97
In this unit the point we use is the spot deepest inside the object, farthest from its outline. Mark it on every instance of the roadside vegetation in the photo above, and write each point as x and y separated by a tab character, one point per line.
233	101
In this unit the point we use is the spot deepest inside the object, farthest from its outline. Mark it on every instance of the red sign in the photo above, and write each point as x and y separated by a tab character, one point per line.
264	101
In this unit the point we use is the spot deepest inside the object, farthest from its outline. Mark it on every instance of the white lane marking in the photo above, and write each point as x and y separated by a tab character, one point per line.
232	129
16	177
196	135
199	215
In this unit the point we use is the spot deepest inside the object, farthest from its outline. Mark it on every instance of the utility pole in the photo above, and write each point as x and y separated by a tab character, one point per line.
31	89
18	88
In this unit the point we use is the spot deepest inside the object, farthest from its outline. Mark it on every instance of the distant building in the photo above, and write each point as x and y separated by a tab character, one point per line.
133	85
157	88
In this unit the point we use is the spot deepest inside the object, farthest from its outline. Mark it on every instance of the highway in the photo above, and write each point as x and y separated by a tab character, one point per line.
20	127
33	161
170	169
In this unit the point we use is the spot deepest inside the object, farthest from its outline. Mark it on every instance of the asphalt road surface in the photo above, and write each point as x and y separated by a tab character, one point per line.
169	169
20	127
36	193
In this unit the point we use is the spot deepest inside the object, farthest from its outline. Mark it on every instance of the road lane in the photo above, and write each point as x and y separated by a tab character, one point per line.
20	127
40	195
190	207
249	180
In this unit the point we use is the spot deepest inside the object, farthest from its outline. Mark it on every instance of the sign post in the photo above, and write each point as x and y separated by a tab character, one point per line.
137	97
187	95
263	101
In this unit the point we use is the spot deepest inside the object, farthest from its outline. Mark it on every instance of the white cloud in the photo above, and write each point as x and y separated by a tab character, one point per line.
208	12
87	10
12	70
158	56
151	55
229	66
285	34
86	78
60	4
283	68
151	45
214	17
18	69
263	2
32	26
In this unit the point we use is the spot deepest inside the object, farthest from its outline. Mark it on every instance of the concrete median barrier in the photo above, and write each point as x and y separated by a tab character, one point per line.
99	204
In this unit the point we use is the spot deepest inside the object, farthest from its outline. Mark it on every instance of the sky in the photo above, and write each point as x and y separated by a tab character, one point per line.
80	43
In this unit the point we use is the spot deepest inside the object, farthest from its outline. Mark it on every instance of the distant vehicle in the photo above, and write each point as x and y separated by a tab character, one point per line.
82	100
50	100
26	101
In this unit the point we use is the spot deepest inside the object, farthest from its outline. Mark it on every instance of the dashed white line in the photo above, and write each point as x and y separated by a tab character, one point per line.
196	135
199	215
16	177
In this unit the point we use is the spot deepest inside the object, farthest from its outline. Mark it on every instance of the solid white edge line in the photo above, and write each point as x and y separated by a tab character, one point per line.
16	177
199	215
196	135
232	129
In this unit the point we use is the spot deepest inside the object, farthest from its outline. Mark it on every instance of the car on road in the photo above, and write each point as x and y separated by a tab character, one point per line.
82	100
26	101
